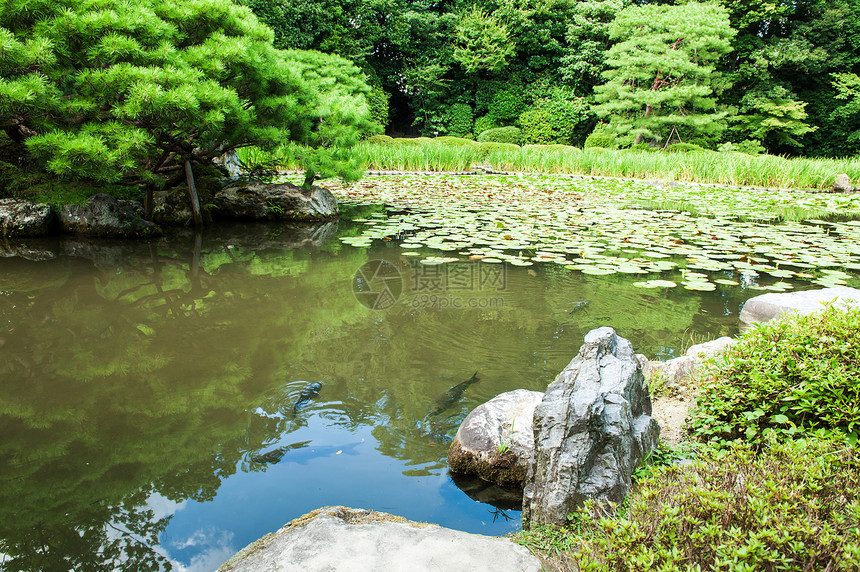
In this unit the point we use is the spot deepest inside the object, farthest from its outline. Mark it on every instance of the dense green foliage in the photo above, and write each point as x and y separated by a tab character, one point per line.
127	92
790	65
794	507
790	375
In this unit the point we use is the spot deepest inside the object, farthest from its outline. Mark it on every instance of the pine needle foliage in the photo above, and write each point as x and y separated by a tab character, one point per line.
127	91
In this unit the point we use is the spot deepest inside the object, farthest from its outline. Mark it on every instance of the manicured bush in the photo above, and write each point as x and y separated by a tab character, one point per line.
413	141
382	140
455	141
536	126
600	138
484	123
796	506
507	106
502	135
458	120
788	376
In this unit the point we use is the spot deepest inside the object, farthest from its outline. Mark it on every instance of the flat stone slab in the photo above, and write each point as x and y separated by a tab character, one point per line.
339	539
767	307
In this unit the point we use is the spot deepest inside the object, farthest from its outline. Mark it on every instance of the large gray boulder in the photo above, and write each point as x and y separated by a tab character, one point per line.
173	208
276	201
21	218
592	429
350	540
105	216
771	306
496	440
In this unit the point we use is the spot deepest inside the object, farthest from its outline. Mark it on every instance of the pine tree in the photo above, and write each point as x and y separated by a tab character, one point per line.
133	91
661	73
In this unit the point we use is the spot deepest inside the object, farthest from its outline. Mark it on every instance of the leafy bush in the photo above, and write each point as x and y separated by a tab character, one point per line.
377	101
502	135
507	106
484	123
458	120
382	140
794	507
536	126
600	138
789	375
413	141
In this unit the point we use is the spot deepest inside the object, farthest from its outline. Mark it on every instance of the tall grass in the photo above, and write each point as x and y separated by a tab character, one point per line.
728	169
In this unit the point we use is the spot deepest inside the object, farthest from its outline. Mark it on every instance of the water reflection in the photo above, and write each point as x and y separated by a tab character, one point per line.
167	373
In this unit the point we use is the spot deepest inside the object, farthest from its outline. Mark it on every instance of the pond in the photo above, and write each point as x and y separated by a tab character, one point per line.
156	403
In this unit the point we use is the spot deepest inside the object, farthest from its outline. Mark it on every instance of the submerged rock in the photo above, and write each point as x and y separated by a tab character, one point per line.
277	201
339	538
21	218
777	305
496	440
592	429
105	216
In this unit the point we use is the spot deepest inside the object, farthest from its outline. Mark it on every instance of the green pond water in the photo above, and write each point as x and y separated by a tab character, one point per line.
149	392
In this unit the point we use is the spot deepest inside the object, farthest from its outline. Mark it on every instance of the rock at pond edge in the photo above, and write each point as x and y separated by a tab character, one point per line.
592	429
767	307
496	440
276	201
340	538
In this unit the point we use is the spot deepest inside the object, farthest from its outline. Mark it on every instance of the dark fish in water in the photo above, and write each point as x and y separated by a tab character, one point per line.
304	452
579	306
448	399
309	392
276	455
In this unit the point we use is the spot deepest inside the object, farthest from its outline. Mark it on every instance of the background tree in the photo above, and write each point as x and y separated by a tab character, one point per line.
129	92
661	74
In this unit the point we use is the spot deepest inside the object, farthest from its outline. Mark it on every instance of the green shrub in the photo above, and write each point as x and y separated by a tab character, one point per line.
454	141
502	135
484	123
413	141
794	507
458	120
788	375
600	138
507	105
377	100
536	126
382	140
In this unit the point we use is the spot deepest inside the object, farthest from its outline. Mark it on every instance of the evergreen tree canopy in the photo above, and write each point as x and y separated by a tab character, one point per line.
128	91
662	72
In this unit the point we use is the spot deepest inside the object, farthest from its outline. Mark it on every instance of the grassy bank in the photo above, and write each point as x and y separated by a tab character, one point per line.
773	483
729	169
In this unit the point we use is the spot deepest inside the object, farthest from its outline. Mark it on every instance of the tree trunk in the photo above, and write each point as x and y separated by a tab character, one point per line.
148	206
192	193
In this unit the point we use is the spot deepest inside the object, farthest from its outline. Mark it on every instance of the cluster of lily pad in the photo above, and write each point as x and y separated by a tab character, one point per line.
597	227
